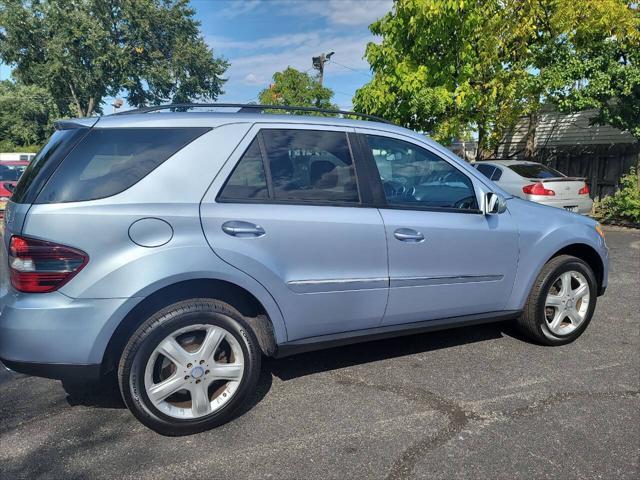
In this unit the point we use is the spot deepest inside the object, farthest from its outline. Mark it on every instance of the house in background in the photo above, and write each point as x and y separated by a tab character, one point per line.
568	143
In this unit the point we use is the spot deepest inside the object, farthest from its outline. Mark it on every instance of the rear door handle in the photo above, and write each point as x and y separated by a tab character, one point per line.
408	235
237	228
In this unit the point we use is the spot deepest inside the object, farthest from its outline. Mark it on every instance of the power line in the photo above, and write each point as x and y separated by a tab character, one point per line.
361	72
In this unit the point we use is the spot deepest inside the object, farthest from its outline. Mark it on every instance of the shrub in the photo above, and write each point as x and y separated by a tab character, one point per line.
624	204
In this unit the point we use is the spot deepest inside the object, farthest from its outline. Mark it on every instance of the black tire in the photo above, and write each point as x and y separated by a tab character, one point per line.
533	323
147	337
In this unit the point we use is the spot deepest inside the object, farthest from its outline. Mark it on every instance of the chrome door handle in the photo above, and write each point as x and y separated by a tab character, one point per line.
242	229
408	235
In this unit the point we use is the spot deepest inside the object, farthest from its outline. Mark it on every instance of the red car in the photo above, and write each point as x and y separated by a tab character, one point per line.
9	175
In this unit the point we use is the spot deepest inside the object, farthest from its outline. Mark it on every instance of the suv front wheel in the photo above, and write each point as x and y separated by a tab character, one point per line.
189	367
561	302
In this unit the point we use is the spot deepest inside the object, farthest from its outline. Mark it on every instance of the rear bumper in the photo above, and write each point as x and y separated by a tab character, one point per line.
52	335
59	371
583	204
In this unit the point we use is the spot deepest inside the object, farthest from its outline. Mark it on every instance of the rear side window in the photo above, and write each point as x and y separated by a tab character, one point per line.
497	174
310	165
110	160
535	171
248	180
295	166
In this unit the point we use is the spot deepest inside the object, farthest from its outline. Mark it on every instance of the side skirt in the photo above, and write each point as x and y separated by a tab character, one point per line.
389	331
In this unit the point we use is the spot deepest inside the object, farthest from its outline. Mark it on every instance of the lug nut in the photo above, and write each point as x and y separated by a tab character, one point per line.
198	381
186	377
201	362
189	365
206	372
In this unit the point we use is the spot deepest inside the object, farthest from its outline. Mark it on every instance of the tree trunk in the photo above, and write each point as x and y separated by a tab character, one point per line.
77	101
530	146
481	141
90	106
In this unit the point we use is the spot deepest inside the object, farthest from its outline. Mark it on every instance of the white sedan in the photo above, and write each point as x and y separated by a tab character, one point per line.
539	183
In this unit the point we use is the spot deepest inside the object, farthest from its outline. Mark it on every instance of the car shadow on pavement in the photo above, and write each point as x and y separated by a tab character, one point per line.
340	357
107	394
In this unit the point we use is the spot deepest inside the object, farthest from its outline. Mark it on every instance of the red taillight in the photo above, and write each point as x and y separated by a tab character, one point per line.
584	190
537	189
39	267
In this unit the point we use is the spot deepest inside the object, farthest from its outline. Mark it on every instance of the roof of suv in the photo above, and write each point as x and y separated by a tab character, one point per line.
214	119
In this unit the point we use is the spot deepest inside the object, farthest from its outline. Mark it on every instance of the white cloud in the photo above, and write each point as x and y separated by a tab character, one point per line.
240	7
340	12
336	12
258	69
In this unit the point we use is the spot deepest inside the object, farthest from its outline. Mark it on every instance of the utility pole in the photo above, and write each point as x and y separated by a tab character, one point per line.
318	64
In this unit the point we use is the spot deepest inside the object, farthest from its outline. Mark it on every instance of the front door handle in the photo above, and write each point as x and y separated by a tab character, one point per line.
408	235
242	229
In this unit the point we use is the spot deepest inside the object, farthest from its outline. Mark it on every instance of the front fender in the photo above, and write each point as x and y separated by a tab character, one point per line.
543	232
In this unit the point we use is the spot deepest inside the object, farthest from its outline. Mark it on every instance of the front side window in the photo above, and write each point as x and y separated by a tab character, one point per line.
413	176
310	166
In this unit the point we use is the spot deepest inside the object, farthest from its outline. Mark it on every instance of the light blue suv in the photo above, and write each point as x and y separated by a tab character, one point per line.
177	248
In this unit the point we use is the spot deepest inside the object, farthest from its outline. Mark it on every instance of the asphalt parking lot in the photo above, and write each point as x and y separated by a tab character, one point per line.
473	403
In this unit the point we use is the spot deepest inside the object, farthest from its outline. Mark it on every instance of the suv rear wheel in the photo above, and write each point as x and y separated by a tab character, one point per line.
189	367
561	302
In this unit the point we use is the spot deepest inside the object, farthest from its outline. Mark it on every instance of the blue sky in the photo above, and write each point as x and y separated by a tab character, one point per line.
260	37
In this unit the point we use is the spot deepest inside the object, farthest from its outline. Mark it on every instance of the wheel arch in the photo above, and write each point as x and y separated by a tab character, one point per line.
586	253
236	296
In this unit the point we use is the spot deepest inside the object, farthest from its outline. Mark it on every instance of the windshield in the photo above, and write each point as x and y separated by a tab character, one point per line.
11	173
535	170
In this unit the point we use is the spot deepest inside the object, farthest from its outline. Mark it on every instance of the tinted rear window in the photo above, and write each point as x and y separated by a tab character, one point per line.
535	171
108	161
45	163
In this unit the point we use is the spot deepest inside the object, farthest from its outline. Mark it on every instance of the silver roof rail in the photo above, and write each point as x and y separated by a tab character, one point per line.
250	108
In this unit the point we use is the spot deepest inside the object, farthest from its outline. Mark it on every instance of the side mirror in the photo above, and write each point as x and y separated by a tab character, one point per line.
10	186
494	204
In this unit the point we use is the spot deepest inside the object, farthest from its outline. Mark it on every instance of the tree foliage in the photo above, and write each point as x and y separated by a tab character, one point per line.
453	67
26	116
295	88
81	51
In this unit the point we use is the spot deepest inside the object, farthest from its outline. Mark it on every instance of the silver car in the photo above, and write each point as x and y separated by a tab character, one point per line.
539	183
171	251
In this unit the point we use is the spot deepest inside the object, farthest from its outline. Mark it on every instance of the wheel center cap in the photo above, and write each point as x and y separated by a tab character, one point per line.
197	372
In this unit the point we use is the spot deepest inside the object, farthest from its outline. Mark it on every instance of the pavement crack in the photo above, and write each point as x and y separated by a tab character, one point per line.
561	397
458	418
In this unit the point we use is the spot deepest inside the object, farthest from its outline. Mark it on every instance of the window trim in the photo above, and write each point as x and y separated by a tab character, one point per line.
380	197
290	201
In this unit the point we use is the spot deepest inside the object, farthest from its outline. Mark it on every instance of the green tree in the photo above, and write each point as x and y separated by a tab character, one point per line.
81	51
294	88
588	55
26	116
452	67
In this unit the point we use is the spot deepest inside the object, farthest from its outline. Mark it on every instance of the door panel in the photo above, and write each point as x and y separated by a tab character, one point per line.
466	264
446	258
325	265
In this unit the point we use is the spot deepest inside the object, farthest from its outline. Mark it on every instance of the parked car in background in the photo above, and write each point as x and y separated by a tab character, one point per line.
289	233
539	183
10	172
